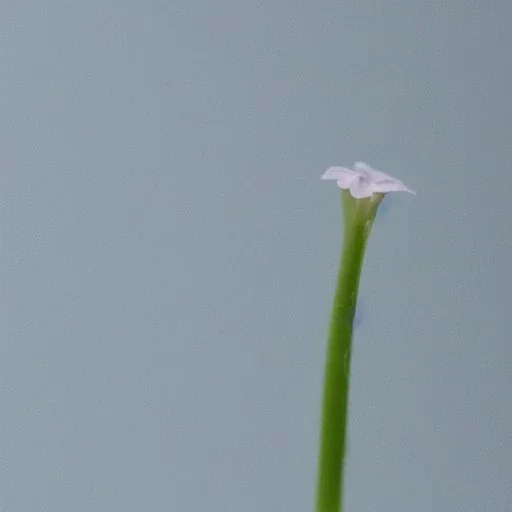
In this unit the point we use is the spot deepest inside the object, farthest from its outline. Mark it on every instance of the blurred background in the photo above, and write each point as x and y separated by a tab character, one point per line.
168	253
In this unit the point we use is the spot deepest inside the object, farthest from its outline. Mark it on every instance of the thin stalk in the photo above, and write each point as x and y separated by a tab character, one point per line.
358	215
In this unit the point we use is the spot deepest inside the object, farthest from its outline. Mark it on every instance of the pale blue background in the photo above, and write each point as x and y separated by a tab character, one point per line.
168	253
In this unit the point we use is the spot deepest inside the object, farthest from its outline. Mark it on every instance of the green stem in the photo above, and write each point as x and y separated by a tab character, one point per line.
359	215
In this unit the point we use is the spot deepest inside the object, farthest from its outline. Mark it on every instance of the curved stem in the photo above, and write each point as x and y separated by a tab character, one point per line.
359	215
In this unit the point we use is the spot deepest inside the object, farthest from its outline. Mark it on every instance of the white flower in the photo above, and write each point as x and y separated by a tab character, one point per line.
363	181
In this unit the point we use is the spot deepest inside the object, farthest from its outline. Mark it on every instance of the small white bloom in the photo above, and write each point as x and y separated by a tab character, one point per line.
363	181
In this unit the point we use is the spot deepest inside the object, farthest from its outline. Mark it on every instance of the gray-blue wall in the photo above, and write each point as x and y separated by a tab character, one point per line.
168	253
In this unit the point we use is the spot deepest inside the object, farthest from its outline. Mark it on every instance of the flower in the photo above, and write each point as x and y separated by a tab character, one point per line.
363	181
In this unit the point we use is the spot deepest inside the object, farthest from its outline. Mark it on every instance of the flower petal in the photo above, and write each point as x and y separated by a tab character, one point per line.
391	185
343	176
334	173
374	174
382	182
361	188
362	167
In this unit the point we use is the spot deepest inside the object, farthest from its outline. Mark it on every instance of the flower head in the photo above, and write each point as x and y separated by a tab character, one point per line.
363	181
